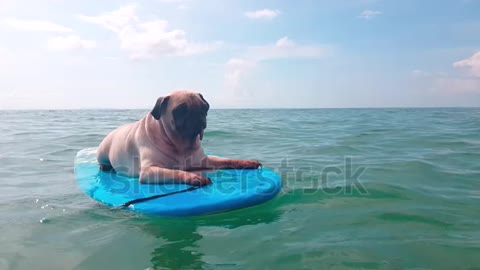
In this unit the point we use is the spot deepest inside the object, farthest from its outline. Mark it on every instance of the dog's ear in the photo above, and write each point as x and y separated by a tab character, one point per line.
207	106
160	107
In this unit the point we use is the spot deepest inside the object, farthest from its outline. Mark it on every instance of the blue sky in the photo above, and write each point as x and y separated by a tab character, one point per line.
57	54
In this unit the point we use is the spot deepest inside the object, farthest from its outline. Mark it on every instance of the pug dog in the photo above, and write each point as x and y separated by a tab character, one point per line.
165	145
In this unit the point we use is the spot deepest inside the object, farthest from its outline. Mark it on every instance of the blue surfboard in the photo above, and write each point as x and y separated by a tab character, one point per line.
230	190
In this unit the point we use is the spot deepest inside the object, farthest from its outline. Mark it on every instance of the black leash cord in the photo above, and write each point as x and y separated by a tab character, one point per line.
127	204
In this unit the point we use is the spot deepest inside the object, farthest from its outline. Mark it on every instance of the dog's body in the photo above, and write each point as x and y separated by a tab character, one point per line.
165	145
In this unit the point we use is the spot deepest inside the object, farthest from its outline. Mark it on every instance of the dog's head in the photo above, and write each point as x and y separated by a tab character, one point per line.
183	114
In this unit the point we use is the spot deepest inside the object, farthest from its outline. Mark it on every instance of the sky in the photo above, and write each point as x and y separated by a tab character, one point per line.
58	54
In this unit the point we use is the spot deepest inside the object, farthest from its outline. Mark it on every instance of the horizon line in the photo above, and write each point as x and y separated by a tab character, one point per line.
259	108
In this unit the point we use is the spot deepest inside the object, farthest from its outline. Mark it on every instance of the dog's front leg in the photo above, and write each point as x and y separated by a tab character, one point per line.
158	175
217	163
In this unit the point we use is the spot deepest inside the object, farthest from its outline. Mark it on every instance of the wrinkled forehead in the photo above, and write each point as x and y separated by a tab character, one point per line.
187	99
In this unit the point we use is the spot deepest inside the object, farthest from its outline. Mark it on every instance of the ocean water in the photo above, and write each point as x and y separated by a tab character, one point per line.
363	189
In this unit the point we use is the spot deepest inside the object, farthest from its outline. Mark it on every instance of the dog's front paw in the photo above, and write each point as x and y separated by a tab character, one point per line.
196	180
249	164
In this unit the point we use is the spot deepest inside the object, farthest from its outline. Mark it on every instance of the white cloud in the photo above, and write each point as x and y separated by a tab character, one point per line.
35	25
284	48
369	14
181	4
284	42
116	20
111	58
150	39
471	64
420	73
237	69
267	14
71	42
453	83
65	40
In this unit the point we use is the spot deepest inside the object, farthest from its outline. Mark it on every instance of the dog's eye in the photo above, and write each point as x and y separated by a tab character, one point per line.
180	113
